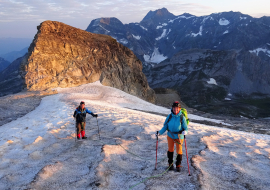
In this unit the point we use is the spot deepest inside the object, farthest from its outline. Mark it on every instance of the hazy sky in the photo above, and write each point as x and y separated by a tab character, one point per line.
19	18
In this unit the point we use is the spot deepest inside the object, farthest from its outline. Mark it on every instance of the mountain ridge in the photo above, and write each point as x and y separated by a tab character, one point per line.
167	36
3	63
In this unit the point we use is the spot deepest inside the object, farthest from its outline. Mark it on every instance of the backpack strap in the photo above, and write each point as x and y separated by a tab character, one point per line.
170	117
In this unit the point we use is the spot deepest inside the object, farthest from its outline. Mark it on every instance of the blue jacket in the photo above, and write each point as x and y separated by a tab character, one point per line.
80	114
174	125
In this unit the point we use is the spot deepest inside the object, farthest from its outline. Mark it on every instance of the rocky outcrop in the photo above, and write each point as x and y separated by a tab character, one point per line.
64	56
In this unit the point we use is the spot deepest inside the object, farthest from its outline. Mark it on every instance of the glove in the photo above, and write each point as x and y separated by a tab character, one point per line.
157	134
184	133
95	115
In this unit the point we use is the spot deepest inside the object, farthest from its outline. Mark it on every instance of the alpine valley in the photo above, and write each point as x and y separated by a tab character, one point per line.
219	63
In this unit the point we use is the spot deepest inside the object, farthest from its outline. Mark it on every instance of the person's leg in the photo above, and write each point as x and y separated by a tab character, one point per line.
170	151
179	151
78	125
83	130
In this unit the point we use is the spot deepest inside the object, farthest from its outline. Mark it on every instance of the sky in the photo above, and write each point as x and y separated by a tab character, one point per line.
19	18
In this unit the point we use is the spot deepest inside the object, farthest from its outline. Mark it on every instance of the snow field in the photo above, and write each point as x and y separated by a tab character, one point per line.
199	33
234	160
212	81
136	37
257	51
223	22
45	155
156	57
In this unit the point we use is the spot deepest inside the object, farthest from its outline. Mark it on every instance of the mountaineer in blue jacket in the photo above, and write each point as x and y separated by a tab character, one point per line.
176	126
80	115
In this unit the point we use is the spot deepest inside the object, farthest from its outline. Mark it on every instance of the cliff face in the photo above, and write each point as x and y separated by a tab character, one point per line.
64	56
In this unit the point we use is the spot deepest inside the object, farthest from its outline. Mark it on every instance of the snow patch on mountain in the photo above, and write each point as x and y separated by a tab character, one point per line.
164	34
156	57
136	37
143	28
257	51
104	28
171	21
199	33
206	18
164	24
226	32
123	41
212	81
243	18
223	21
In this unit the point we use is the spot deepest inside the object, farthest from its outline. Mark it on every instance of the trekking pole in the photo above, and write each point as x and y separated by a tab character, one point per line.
187	155
75	133
98	129
156	151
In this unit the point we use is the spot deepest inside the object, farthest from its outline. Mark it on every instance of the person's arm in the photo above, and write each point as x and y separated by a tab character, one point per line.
185	127
88	111
74	115
165	126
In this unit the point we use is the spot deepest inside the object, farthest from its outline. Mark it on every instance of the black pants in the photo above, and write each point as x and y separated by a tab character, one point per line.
80	128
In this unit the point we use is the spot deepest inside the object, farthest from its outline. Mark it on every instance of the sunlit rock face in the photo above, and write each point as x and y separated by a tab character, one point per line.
64	56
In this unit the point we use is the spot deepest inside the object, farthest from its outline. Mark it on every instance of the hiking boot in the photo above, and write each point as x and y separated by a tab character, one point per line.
78	138
178	160
178	168
170	167
84	138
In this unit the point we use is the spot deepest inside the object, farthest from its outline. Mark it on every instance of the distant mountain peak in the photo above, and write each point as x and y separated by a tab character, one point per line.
187	15
157	14
105	23
108	20
162	11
